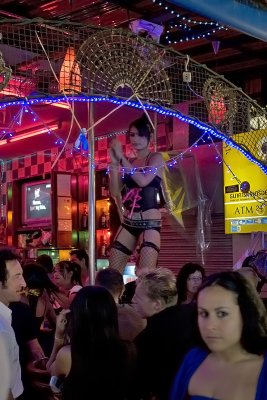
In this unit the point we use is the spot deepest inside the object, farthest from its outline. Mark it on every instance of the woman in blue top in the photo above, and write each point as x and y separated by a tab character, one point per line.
136	185
232	363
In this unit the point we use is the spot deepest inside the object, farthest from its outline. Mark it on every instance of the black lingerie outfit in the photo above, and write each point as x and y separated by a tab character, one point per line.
136	200
139	199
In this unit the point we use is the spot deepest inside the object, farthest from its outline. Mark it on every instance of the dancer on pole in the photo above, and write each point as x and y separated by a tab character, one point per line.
139	192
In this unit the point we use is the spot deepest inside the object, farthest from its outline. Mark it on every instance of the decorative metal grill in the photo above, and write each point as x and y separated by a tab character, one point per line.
48	58
5	73
117	63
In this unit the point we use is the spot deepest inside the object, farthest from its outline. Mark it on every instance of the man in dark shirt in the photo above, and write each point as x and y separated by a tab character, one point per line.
250	270
26	336
128	293
169	334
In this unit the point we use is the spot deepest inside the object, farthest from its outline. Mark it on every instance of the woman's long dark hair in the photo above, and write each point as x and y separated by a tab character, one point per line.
98	356
143	126
182	277
253	312
36	277
71	266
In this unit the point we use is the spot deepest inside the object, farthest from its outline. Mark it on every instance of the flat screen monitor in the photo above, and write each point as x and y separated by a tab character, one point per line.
36	203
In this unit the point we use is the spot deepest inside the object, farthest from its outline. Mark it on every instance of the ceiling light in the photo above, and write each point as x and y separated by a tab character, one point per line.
34	132
62	105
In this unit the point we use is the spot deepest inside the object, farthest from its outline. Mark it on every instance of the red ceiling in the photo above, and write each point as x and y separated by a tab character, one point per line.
48	114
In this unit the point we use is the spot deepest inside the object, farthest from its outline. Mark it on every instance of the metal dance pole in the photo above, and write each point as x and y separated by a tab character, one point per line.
155	131
91	196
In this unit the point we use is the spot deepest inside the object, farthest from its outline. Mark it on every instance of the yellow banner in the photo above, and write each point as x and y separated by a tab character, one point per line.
244	212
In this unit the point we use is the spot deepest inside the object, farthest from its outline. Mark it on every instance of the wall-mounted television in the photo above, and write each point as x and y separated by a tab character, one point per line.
36	203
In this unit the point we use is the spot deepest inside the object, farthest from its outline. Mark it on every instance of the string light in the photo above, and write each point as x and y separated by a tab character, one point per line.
70	149
169	163
195	36
184	25
111	135
155	108
143	170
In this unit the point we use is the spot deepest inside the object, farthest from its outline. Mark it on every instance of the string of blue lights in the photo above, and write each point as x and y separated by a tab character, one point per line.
155	108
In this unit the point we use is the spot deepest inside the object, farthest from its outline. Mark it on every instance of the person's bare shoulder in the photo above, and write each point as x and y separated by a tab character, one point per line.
155	158
62	363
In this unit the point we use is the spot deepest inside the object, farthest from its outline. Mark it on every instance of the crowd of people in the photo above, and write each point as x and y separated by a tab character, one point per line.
161	337
156	347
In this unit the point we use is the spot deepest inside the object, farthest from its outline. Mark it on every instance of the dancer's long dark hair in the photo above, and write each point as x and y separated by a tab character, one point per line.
143	126
98	356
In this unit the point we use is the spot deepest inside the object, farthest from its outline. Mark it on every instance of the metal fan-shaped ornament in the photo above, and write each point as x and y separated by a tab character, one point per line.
262	149
119	63
220	102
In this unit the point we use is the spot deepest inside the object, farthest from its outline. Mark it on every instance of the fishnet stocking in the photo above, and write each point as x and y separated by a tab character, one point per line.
118	259
148	258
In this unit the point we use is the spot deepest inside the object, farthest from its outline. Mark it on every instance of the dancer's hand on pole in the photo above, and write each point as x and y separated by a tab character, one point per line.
114	160
116	147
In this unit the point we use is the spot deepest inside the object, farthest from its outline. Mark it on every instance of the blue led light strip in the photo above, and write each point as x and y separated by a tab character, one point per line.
160	110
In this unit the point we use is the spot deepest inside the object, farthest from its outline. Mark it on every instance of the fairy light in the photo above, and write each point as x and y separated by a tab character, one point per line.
207	129
111	135
185	20
195	36
71	150
143	170
186	24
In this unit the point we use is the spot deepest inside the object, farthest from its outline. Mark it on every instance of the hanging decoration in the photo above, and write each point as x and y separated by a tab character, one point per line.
220	101
70	75
81	142
217	109
5	73
216	46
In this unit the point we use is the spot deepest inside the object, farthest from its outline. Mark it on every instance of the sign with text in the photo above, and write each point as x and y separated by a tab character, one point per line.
244	207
